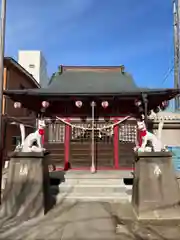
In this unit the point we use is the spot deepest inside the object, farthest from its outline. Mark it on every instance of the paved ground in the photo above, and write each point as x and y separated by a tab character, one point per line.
82	220
89	220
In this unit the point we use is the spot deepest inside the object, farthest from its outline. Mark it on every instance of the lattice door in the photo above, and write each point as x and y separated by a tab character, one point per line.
81	144
127	141
127	133
55	142
56	132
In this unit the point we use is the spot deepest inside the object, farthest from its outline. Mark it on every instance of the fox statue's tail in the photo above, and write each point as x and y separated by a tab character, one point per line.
22	129
160	128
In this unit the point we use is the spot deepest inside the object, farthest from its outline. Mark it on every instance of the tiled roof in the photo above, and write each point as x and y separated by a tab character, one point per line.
73	82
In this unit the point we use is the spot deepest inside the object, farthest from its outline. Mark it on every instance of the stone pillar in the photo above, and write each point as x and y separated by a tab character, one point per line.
27	191
156	194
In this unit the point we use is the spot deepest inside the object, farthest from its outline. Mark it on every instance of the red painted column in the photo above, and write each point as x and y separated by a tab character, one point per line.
116	144
67	145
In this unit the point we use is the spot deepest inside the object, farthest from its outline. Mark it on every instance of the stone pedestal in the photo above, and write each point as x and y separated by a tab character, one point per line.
27	191
156	194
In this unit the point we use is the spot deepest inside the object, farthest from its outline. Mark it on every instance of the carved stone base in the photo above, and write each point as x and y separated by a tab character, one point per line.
156	194
27	192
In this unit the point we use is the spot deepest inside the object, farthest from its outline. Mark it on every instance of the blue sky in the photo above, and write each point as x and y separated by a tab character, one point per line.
138	34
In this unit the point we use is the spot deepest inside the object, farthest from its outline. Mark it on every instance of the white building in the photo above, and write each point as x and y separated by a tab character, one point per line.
35	64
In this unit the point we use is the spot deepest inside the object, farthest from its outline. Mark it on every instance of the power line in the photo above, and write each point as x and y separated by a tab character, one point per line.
175	63
170	70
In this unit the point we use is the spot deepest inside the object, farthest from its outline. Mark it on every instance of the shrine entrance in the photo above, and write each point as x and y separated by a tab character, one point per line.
55	142
74	145
81	145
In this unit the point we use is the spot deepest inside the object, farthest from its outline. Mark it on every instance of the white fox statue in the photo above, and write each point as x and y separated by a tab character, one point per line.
27	144
145	136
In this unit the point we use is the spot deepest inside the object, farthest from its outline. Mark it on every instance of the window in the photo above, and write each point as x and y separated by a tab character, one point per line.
56	132
127	133
31	66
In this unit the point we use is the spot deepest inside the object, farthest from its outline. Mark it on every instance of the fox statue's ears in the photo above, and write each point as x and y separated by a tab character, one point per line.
41	123
140	118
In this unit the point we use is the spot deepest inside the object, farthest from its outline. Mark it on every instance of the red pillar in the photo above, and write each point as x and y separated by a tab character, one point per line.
116	144
67	145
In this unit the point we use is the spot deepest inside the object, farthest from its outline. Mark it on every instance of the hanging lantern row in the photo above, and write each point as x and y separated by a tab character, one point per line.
78	104
45	104
140	107
163	106
104	104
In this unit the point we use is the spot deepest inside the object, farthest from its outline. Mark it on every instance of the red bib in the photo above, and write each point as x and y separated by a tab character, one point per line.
141	134
41	132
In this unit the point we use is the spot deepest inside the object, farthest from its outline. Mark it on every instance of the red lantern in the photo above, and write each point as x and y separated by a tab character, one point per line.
17	105
45	104
164	105
105	104
137	103
78	104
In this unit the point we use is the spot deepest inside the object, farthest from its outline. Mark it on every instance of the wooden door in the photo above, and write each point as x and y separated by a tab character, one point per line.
81	146
104	145
54	142
127	142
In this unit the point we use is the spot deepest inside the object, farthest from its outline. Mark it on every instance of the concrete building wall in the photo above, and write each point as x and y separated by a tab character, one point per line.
170	134
35	63
171	128
171	137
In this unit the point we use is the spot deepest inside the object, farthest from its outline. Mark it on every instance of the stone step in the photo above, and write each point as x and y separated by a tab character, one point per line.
95	184
84	188
92	181
99	175
98	198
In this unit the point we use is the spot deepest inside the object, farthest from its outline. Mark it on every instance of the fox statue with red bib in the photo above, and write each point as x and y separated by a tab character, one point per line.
34	141
144	136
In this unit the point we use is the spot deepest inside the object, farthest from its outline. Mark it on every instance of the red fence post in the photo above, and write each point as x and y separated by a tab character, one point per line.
67	145
116	144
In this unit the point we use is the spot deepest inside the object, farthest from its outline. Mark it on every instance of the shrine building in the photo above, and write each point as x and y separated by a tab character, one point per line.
91	115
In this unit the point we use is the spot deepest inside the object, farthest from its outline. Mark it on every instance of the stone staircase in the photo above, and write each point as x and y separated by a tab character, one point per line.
101	186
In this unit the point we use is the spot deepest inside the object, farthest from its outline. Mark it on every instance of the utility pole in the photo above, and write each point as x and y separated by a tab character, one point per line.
2	47
176	13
